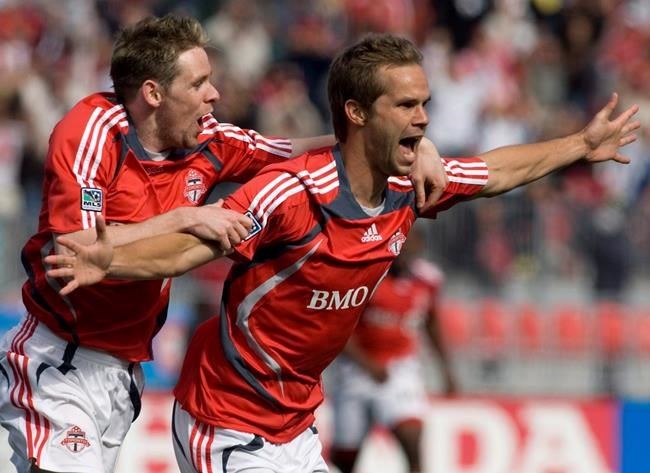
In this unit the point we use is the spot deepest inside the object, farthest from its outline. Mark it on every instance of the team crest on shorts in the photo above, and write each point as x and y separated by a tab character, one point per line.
396	242
75	440
92	199
194	186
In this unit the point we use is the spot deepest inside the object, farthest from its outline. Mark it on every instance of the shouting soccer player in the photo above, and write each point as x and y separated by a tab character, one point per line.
304	273
144	157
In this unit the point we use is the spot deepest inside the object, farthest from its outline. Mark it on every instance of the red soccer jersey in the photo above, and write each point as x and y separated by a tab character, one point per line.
388	328
96	164
302	279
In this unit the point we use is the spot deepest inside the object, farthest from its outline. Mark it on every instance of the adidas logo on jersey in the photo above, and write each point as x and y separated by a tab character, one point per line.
371	235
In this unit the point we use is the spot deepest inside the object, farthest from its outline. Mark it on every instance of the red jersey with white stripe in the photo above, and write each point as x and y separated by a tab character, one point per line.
97	164
388	329
302	279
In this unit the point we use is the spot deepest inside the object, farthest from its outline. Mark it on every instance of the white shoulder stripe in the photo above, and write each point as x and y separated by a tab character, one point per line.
86	150
272	196
326	189
285	185
293	190
275	151
281	143
278	146
100	147
294	187
238	136
467	180
260	195
320	171
209	131
400	181
82	144
466	172
465	164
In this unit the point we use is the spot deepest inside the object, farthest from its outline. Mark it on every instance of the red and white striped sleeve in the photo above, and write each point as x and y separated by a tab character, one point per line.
243	152
278	203
80	164
467	177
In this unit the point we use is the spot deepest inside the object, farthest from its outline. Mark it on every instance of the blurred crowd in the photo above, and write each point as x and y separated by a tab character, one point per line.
501	72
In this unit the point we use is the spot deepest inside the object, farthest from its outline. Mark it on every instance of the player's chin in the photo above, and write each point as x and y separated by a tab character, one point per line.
191	141
402	167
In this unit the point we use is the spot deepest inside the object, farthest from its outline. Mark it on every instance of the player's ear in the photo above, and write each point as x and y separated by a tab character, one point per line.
151	92
355	112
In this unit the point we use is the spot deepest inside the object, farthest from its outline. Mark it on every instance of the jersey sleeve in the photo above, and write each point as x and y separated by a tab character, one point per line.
280	208
467	177
81	159
241	152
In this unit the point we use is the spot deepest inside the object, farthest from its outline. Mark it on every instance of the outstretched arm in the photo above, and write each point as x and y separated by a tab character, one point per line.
152	258
210	222
600	140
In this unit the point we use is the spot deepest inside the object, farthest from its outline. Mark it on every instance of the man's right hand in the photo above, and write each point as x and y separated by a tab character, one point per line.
87	265
212	222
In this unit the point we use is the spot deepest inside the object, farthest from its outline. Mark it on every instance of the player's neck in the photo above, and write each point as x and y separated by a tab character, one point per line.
146	127
366	182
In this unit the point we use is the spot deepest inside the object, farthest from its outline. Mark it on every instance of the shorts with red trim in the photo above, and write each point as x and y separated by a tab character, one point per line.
65	407
204	448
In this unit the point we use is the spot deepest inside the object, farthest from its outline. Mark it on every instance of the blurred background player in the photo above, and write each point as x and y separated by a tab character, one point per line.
378	378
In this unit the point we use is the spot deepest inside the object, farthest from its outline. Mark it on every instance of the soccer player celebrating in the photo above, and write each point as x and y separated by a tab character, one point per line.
251	381
378	378
145	157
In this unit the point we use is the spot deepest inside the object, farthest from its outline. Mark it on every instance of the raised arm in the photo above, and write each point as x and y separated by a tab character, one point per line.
600	140
152	258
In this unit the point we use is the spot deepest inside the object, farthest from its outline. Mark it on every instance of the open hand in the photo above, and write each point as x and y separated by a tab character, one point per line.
604	137
87	265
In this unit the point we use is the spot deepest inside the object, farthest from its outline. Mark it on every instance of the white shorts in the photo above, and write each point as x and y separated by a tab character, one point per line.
205	448
358	401
66	409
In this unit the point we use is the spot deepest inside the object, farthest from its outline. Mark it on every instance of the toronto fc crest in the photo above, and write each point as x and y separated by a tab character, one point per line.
396	242
194	186
75	440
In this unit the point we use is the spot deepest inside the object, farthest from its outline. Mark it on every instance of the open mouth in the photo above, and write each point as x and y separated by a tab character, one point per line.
409	145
